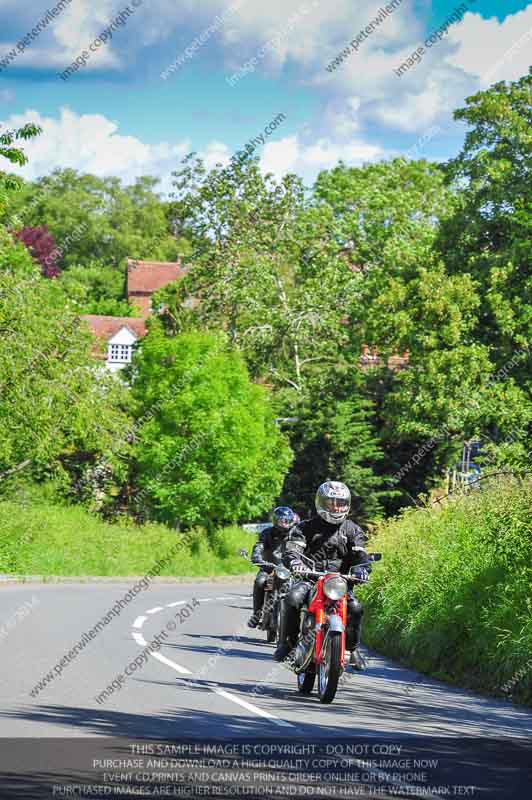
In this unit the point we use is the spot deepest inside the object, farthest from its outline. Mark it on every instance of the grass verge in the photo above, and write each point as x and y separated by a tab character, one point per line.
48	539
452	596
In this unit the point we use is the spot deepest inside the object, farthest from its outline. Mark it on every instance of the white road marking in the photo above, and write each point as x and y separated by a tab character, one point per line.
254	709
139	639
164	660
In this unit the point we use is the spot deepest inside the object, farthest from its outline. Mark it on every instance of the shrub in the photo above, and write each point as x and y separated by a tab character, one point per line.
452	594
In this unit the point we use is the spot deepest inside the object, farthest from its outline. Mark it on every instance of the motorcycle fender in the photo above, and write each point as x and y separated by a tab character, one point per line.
336	624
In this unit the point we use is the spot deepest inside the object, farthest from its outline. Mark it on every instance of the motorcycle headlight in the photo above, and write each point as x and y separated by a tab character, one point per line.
335	588
282	573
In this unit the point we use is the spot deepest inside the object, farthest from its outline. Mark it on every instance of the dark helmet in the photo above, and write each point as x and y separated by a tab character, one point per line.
283	518
333	501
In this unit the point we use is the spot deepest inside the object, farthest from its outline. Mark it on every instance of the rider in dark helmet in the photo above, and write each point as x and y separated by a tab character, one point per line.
267	549
334	543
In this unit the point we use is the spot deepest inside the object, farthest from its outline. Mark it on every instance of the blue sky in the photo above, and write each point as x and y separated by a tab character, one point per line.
117	115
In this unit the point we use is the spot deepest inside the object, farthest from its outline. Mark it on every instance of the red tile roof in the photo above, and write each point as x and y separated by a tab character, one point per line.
148	276
105	327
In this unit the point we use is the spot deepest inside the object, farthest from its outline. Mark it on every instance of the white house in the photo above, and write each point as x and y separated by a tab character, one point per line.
120	348
116	338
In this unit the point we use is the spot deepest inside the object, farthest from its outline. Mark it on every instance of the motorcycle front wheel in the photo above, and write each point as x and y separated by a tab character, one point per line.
330	669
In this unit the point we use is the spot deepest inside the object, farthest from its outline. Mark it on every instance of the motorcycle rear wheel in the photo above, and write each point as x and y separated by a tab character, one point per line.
330	669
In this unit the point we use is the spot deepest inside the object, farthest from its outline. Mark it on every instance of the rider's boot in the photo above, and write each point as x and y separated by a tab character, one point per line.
356	660
258	600
288	629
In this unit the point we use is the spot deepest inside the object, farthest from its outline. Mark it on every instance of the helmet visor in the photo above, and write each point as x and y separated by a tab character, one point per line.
283	518
336	505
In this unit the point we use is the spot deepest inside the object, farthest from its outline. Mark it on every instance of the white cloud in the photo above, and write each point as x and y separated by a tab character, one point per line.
91	143
493	50
291	155
68	34
363	90
216	153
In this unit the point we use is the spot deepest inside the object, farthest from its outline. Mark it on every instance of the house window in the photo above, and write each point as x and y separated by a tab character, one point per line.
120	353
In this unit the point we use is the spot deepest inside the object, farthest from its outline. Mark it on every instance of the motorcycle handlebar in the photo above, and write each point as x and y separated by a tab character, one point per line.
349	577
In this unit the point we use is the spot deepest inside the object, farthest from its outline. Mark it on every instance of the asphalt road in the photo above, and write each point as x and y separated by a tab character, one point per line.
214	679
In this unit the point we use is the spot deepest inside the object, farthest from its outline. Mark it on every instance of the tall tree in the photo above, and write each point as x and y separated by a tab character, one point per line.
115	221
42	246
54	401
490	233
262	266
207	450
336	436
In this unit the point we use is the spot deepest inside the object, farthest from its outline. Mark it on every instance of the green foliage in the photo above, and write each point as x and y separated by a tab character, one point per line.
263	267
209	451
406	257
47	539
53	402
9	183
451	596
336	437
98	220
490	233
97	289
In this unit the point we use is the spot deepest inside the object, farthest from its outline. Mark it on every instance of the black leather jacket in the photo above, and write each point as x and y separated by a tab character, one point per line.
330	546
268	546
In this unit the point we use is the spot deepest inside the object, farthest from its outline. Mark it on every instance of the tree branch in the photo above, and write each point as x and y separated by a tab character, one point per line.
18	468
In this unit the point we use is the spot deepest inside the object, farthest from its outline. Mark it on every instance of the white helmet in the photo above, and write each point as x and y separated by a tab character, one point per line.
333	501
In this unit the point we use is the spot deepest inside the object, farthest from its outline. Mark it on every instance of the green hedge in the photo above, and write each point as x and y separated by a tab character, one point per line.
452	596
48	539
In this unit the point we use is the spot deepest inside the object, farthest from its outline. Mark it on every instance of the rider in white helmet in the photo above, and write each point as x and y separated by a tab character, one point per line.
335	543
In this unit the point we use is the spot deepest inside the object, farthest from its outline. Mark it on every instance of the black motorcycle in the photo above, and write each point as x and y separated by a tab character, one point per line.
277	584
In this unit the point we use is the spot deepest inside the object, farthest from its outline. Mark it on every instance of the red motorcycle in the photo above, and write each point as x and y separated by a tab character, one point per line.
320	649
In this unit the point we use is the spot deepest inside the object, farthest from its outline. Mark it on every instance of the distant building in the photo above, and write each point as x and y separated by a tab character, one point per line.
145	277
371	358
117	337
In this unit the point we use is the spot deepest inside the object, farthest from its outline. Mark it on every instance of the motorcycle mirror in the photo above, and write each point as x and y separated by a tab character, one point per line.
244	553
375	556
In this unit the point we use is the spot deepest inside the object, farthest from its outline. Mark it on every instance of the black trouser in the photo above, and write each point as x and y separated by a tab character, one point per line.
290	616
258	591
